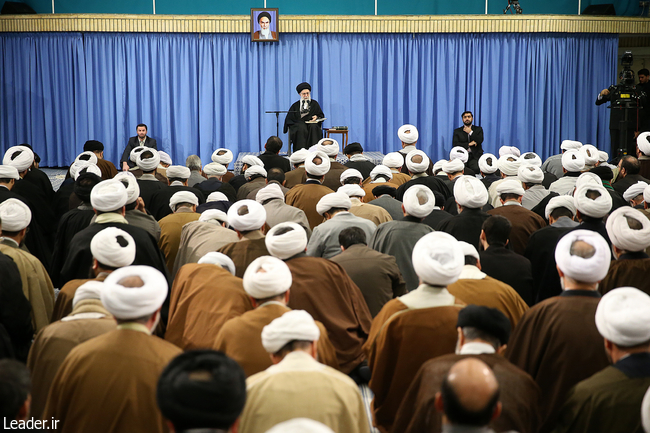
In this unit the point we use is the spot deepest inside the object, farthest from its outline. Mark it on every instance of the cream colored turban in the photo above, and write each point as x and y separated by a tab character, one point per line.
634	190
134	302
164	157
565	201
272	190
509	165
350	172
20	157
300	425
531	158
408	134
224	159
108	195
573	161
295	325
299	156
393	160
453	166
89	290
87	156
380	170
510	186
488	163
287	244
133	156
570	144
459	153
254	170
530	174
80	167
588	178
419	201
469	250
622	317
333	200
214	216
509	150
590	154
643	141
331	150
219	259
214	169
646	195
438	259
182	197
438	166
625	237
595	208
148	164
320	169
417	167
603	156
470	192
246	215
131	183
583	270
252	160
113	247
14	215
352	190
216	196
8	172
267	276
178	171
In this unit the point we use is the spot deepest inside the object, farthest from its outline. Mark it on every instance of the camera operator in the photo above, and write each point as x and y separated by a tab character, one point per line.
644	86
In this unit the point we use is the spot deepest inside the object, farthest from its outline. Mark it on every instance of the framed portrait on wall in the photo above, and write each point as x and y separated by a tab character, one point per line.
264	25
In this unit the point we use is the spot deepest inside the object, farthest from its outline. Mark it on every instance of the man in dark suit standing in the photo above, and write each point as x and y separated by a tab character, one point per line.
469	137
139	140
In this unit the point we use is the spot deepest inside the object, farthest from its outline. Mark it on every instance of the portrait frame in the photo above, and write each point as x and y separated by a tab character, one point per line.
274	14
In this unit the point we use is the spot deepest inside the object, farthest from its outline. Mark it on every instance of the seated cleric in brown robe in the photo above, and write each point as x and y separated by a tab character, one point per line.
302	134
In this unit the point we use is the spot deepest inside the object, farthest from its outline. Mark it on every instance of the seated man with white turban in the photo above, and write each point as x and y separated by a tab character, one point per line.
634	195
395	161
204	296
429	313
508	165
357	160
524	222
331	148
299	386
417	163
531	178
178	176
248	161
643	153
15	216
223	156
215	201
379	176
453	169
149	166
108	383
610	399
409	135
593	203
247	218
307	195
325	290
297	175
397	238
216	181
556	341
573	163
255	178
277	211
274	176
183	205
266	281
375	214
135	211
88	319
489	169
553	163
531	158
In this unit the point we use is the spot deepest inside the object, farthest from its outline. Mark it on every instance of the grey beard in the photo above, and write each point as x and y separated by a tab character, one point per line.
265	33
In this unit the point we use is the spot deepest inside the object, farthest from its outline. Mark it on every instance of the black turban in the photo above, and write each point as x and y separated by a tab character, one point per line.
84	184
93	145
303	86
352	148
262	15
604	172
384	189
213	398
489	320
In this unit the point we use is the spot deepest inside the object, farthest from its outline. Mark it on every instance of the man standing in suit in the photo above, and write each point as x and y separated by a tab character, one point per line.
139	140
469	137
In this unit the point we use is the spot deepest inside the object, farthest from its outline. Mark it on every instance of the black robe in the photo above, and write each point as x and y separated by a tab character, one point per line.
431	182
15	309
218	205
213	184
301	134
148	188
489	179
273	160
465	226
436	217
62	198
237	181
364	167
159	203
511	268
70	224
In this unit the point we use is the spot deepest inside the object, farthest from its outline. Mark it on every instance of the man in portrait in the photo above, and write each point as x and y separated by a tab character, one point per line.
264	20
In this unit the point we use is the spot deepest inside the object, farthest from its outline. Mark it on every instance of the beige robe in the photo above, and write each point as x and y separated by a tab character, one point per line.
251	246
376	214
306	197
170	233
63	303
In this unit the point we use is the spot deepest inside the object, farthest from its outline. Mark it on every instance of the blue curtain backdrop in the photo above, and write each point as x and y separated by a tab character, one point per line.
197	92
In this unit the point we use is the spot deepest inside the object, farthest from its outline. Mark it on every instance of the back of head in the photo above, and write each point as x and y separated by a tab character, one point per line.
273	144
583	255
630	164
352	236
193	162
275	174
15	387
497	230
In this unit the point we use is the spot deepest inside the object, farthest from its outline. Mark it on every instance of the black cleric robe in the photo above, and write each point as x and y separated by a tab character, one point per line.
301	134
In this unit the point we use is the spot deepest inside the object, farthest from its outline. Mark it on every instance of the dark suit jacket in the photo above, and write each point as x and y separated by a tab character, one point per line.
273	160
511	268
621	185
462	139
465	226
133	143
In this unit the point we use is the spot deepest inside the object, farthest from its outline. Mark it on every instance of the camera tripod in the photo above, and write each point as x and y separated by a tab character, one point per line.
513	7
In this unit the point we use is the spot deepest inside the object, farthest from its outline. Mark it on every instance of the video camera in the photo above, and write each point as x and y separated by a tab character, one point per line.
625	94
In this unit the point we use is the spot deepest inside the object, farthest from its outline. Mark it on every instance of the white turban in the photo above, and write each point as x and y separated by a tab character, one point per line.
509	164
134	302
253	219
589	270
87	156
509	150
216	196
300	425
108	195
438	259
164	157
393	160
573	161
132	186
80	167
588	178
329	149
643	141
470	192
646	195
380	170
590	154
113	247
219	259
267	276
510	186
352	190
595	208
320	169
408	134
333	200
565	201
488	163
272	190
635	190
622	316
89	290
214	169
8	172
148	164
419	201
251	160
299	156
459	153
287	244
133	156
254	170
453	166
438	166
570	144
469	250
224	159
20	157
214	216
14	215
182	197
531	158
350	172
530	174
178	171
291	326
624	237
417	167
603	156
